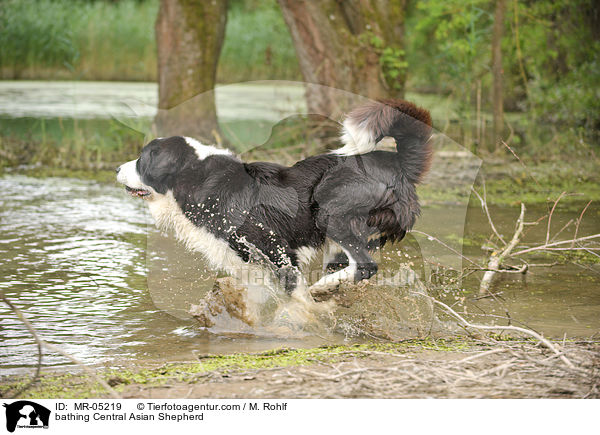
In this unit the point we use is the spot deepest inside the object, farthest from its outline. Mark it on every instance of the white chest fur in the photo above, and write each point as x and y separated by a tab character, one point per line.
169	217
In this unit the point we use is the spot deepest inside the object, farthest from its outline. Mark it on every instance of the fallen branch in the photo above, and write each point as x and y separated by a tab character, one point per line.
42	343
550	216
497	258
550	245
484	206
529	332
579	221
507	269
39	343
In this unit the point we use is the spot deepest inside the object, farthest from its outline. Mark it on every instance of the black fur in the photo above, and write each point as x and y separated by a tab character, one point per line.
278	209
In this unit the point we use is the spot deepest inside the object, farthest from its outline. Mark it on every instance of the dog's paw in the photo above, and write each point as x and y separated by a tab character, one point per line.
303	314
292	317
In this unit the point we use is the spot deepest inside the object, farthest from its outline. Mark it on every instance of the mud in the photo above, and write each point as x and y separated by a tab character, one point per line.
227	298
394	308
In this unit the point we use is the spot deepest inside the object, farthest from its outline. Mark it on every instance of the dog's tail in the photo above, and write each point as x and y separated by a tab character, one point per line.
408	124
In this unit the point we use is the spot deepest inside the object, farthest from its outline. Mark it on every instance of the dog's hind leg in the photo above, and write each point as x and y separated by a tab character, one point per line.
360	264
335	278
334	258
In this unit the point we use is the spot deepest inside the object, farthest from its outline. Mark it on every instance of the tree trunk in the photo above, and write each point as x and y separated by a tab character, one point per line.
354	45
189	37
497	72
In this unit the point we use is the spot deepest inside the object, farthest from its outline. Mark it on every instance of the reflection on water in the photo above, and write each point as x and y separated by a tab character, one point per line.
73	258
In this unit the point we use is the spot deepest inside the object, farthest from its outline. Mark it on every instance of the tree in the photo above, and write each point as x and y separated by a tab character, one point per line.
354	45
189	38
497	71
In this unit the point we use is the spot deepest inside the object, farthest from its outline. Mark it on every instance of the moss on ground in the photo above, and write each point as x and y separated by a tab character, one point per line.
508	183
52	385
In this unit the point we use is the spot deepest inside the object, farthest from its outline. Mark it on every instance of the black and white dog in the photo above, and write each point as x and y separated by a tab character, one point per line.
238	213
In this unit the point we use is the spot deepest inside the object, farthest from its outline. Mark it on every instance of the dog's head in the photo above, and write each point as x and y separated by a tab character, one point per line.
161	160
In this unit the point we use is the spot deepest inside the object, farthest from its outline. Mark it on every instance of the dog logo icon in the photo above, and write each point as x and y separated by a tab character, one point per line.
26	414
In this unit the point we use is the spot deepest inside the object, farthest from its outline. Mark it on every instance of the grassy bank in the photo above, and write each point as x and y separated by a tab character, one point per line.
66	143
78	40
93	148
68	385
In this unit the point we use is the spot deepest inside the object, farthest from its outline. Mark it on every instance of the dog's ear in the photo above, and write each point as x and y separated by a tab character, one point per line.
162	160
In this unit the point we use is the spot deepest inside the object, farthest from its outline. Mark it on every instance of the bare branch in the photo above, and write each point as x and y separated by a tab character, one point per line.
529	332
497	258
521	162
550	216
39	343
579	221
487	212
565	226
580	248
550	245
53	348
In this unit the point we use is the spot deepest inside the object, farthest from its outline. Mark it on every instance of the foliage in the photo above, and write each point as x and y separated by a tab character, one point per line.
561	61
103	40
78	40
257	44
391	58
448	44
551	56
66	143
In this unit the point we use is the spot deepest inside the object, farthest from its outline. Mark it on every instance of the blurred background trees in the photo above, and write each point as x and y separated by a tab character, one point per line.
438	51
355	45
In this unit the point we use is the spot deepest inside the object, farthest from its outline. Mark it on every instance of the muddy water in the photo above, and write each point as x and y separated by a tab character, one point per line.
73	258
84	263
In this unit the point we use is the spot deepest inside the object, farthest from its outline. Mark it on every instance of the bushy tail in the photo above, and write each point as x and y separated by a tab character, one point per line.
408	124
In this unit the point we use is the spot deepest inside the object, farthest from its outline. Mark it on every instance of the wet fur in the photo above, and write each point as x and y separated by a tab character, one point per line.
273	215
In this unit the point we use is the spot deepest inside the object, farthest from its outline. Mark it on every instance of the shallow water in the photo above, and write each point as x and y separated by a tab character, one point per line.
87	267
84	263
73	258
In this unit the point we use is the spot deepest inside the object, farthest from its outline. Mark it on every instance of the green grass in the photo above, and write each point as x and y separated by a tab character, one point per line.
101	40
257	46
65	143
78	40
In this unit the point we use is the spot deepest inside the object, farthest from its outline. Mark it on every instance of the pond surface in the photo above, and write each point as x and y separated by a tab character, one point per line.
272	100
74	258
87	267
